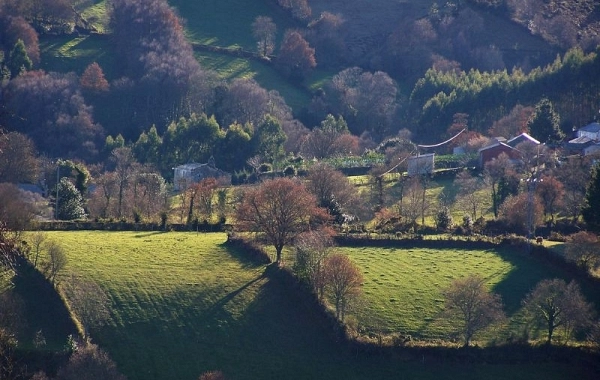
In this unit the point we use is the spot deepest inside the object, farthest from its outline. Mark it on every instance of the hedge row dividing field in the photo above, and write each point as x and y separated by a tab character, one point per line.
185	303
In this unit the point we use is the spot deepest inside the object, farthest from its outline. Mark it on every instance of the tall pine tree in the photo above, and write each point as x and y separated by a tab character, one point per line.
591	209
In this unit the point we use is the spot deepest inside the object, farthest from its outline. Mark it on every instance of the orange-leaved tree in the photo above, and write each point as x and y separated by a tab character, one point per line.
280	209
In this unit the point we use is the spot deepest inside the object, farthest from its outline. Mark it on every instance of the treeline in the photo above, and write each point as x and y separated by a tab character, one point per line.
488	96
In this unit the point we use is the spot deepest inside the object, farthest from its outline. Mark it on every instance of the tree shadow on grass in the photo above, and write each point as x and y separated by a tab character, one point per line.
45	311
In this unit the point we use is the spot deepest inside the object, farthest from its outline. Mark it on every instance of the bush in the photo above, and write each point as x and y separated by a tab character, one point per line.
265	168
443	219
290	171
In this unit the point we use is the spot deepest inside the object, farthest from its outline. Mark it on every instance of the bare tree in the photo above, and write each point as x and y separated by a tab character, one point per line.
312	248
469	196
280	209
522	212
550	192
583	248
344	280
56	261
332	190
554	304
263	29
37	240
472	306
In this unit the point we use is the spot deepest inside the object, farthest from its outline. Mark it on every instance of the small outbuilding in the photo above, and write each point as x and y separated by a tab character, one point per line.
421	164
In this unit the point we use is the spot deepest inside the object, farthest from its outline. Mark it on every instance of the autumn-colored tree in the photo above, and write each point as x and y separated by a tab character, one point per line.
583	248
512	124
330	139
17	28
15	211
296	58
212	375
279	209
18	161
550	192
89	362
263	29
522	212
471	306
299	8
200	198
93	79
332	190
553	304
344	280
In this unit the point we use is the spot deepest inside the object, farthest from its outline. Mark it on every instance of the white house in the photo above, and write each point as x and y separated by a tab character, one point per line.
591	130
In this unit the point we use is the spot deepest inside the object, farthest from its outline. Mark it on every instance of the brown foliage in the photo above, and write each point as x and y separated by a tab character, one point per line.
343	281
551	192
93	79
92	363
583	248
296	58
212	375
515	212
18	162
15	211
280	209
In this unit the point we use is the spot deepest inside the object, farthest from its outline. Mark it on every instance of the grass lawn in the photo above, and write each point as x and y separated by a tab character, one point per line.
183	303
403	287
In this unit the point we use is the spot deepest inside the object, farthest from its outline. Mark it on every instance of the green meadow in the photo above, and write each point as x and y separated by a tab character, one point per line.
184	303
403	287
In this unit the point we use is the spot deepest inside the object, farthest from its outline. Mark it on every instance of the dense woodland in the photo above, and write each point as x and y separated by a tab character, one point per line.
102	148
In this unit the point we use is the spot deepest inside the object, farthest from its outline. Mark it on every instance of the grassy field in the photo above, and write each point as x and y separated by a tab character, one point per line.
403	287
182	304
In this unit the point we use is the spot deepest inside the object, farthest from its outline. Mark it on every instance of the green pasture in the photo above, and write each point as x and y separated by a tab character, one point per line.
74	53
227	23
183	303
403	286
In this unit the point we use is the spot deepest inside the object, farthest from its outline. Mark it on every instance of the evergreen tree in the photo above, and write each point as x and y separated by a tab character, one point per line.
544	124
69	201
18	60
591	209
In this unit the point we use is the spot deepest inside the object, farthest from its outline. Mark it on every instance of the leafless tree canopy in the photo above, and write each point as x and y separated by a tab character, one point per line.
555	304
280	209
471	306
344	280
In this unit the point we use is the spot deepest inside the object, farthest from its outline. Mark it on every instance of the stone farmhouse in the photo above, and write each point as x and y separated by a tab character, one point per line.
188	174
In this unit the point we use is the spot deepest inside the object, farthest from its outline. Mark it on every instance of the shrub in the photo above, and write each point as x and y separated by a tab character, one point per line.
265	168
289	171
443	219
